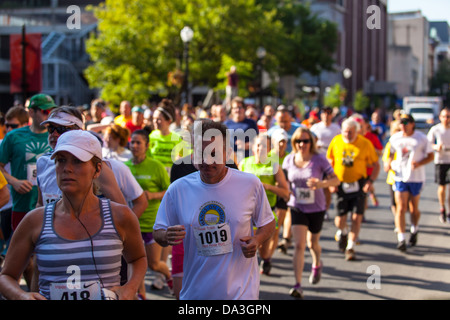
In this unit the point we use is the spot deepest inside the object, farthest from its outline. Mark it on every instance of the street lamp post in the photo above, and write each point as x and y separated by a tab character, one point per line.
186	35
372	100
347	74
261	54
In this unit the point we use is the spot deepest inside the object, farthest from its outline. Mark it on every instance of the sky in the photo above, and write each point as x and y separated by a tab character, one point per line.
433	10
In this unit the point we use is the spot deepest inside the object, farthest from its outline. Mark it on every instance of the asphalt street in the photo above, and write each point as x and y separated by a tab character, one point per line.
380	272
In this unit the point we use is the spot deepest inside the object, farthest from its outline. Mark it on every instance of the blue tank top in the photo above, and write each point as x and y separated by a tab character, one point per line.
56	256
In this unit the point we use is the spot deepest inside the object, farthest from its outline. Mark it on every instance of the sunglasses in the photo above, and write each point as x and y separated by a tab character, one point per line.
11	125
304	141
60	130
405	122
45	112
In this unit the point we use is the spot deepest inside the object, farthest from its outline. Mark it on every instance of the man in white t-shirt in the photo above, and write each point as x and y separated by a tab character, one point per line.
414	151
439	137
325	130
214	211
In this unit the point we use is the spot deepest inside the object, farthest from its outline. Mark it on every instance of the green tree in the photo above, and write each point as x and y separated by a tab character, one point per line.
336	96
138	48
440	83
361	102
308	40
138	42
244	69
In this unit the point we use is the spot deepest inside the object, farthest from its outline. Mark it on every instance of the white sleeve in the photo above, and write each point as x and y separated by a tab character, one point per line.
431	136
392	146
166	215
428	147
130	188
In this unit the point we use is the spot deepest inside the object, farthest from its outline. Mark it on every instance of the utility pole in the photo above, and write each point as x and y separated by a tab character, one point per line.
24	65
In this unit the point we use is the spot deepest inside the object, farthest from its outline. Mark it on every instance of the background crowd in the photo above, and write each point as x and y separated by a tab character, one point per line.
308	166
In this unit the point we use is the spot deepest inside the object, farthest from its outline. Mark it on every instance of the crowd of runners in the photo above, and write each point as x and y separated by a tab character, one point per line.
91	200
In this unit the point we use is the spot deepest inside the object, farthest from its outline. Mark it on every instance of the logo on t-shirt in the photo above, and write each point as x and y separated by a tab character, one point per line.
33	151
406	152
348	157
211	213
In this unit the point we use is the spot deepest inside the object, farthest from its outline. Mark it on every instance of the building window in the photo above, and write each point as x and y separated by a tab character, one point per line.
5	78
4	47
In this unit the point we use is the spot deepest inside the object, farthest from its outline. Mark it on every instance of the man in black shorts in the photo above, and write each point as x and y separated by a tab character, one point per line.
439	137
350	154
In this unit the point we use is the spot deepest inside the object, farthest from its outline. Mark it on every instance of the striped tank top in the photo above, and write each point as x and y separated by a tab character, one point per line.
56	256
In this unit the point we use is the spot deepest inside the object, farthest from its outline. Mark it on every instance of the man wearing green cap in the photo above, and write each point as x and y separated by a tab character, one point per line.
21	148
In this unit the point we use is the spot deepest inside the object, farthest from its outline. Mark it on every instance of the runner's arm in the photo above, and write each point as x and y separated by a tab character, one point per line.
21	186
424	161
250	244
19	253
133	251
171	236
140	204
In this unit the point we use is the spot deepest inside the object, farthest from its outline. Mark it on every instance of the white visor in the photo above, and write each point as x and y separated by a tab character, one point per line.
63	119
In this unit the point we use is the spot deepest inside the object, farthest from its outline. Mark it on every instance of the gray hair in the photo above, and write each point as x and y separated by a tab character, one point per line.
351	124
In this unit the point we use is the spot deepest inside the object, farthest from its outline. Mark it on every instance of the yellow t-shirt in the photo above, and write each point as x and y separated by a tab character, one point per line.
386	155
121	120
3	181
350	160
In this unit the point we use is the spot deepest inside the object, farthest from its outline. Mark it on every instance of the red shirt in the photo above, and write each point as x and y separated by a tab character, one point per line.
376	144
129	124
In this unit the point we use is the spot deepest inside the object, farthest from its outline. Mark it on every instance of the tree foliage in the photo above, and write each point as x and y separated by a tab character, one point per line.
138	45
440	83
307	41
336	96
361	102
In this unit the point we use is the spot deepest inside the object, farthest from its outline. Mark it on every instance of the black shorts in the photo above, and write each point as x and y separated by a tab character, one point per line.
281	203
351	202
441	174
313	221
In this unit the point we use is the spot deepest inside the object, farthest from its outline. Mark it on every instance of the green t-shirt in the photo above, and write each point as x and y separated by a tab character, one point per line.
21	147
166	148
265	173
272	154
153	177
